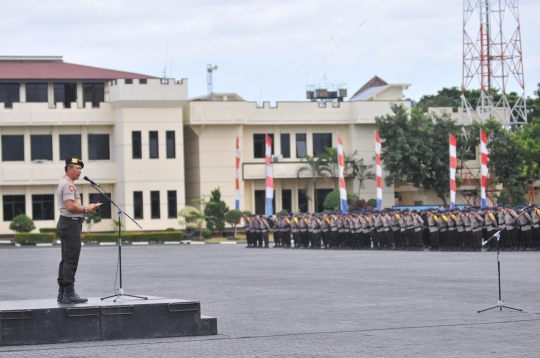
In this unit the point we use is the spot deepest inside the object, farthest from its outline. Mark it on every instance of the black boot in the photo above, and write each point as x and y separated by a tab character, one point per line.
60	293
70	296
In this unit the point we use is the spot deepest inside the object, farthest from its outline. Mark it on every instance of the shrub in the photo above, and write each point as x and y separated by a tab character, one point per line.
332	201
206	233
45	230
283	212
30	239
372	203
22	223
170	229
135	237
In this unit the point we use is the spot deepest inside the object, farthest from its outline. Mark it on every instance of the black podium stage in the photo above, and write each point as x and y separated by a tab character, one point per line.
45	321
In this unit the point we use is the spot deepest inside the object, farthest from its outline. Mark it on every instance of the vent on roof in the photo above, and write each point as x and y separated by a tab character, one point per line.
326	90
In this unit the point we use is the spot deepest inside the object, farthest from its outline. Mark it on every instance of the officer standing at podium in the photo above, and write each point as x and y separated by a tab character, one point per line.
69	229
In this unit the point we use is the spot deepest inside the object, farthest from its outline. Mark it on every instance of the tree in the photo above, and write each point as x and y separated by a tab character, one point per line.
232	218
193	219
22	223
314	167
362	173
215	211
90	219
331	163
332	201
507	154
415	148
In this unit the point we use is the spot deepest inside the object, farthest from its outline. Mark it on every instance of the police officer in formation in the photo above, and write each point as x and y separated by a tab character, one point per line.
438	230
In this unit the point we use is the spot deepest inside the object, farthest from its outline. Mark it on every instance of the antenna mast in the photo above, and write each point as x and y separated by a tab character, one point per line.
209	70
494	59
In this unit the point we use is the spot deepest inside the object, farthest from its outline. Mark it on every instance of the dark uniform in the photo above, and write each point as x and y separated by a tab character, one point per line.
535	214
286	232
477	222
295	228
69	229
277	231
248	232
432	222
512	235
525	224
418	222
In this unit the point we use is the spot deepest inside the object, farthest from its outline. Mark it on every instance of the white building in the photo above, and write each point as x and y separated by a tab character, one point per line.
126	127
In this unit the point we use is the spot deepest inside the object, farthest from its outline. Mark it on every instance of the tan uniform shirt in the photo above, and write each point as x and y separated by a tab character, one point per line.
67	191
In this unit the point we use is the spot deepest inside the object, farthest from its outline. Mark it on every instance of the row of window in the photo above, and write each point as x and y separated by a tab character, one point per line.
153	140
62	92
320	142
43	205
41	147
155	205
286	200
70	145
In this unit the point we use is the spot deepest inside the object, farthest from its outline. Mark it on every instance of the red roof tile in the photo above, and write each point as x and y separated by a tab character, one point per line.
59	70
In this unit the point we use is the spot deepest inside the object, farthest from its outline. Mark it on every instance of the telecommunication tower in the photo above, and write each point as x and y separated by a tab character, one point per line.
495	59
209	70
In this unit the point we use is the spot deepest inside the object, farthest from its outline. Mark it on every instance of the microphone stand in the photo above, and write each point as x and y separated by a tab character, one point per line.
119	290
497	235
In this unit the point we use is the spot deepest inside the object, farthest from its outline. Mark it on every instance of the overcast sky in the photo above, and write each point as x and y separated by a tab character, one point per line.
265	49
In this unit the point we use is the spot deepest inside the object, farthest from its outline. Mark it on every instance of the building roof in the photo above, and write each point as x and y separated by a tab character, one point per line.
54	68
372	88
374	82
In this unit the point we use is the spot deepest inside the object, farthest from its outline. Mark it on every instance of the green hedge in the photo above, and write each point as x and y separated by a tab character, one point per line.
47	230
32	239
135	237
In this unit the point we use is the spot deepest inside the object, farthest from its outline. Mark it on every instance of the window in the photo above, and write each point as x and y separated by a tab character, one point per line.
128	81
13	206
65	93
94	92
286	145
302	201
259	145
9	93
36	92
154	145
154	205
321	141
301	147
321	195
286	199
70	146
137	205
12	148
41	147
98	147
142	81
43	207
104	210
136	145
172	206
171	144
260	202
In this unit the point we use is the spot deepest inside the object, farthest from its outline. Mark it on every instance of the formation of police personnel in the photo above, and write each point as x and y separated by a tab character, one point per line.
435	229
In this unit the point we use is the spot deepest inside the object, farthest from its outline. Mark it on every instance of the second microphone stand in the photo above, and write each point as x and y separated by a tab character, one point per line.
500	304
119	290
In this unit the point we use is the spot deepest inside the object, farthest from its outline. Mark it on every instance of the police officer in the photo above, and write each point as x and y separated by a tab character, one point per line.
69	230
432	222
535	214
286	231
295	229
477	223
247	221
418	222
460	224
277	232
265	230
491	226
512	235
525	224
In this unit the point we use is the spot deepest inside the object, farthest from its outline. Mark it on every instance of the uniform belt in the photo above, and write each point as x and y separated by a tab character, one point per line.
77	219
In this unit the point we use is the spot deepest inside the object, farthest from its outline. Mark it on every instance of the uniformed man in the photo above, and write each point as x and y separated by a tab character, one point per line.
432	221
418	222
286	231
69	229
265	230
386	237
325	230
333	231
503	243
403	231
460	224
443	230
477	222
491	226
525	223
277	232
467	237
247	221
452	230
409	232
295	229
258	231
316	226
372	232
304	239
512	235
396	233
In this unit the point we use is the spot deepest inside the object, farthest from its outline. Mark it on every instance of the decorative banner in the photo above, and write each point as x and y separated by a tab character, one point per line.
483	150
379	170
453	168
237	179
269	178
341	166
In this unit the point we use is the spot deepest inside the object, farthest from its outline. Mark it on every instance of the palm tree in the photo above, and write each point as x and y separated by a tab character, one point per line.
362	173
331	162
315	167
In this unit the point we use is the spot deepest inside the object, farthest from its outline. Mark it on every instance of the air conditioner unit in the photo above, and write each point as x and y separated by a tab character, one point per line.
40	161
277	158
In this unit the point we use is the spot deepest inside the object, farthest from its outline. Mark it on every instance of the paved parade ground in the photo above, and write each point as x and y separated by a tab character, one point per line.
303	303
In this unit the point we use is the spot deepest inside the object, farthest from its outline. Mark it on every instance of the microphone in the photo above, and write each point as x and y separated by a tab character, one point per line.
90	180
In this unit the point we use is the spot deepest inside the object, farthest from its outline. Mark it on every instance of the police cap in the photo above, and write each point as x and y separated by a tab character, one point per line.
74	160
